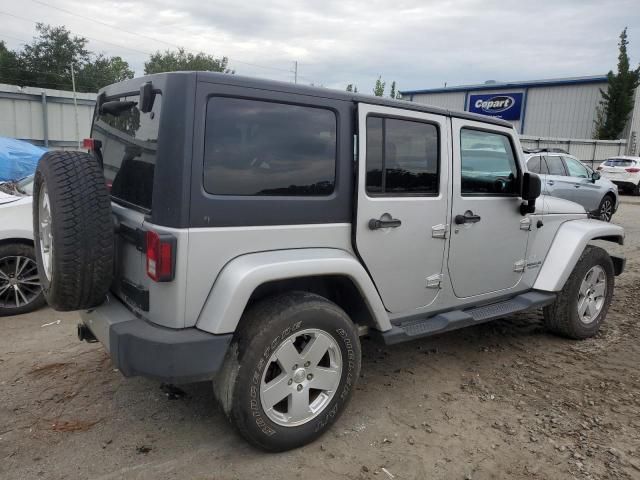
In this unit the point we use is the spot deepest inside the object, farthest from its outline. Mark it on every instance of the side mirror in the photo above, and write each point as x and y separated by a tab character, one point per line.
147	96
531	190
595	176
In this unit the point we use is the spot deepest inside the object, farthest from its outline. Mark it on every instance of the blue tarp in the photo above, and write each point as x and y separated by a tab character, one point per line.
18	159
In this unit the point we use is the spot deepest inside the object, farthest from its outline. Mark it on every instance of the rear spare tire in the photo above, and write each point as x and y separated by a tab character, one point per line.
73	230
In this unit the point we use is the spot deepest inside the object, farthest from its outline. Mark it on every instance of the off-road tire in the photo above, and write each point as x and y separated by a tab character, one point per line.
561	317
82	230
262	329
20	250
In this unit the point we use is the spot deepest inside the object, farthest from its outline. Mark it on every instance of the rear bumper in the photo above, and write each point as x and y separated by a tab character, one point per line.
138	347
625	184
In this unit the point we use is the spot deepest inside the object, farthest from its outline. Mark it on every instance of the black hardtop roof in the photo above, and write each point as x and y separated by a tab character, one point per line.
133	85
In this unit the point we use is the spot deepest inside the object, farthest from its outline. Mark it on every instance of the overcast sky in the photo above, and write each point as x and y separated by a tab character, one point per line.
420	44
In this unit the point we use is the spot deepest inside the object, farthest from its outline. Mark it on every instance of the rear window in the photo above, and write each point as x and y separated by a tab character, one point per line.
619	162
255	147
129	145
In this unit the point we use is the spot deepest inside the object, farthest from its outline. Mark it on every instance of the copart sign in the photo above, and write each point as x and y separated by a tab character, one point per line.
507	106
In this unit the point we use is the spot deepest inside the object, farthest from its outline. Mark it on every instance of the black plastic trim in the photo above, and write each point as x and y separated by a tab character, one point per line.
618	264
419	327
139	348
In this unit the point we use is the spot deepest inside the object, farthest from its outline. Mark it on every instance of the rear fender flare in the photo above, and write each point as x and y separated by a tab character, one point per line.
567	246
241	276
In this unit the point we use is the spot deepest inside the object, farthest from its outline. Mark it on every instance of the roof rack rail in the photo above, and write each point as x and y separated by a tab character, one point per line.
545	150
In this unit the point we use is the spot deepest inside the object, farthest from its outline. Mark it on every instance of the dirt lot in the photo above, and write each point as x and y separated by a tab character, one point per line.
501	400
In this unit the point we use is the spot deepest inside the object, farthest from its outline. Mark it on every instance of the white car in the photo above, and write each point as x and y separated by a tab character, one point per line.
623	171
20	289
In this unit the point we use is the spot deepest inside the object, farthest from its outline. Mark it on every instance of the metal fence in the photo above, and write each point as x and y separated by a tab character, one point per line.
49	118
591	152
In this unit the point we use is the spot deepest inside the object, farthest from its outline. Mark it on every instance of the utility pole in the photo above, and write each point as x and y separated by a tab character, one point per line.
295	72
75	106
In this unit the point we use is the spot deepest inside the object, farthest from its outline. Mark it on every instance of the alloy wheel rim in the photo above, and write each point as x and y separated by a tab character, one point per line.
606	210
19	282
45	232
592	294
301	377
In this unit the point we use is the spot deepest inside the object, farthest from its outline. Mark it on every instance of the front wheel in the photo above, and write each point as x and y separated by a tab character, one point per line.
605	210
290	370
583	303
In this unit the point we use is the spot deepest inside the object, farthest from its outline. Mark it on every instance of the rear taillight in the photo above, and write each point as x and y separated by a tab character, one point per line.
161	256
89	143
633	169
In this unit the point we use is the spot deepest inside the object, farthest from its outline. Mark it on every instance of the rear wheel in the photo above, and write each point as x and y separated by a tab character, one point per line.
605	210
290	370
73	230
636	190
20	289
583	303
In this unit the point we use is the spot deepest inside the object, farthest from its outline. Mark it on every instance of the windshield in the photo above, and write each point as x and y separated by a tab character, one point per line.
128	140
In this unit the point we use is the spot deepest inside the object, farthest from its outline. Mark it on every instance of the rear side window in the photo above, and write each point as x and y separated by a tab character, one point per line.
488	164
555	166
263	148
402	157
129	141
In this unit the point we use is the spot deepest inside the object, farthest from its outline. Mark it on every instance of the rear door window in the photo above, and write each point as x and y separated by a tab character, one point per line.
555	165
402	157
534	164
129	140
265	148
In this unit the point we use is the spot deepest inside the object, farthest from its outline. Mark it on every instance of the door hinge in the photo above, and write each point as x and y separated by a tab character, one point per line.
520	265
439	231
435	280
525	223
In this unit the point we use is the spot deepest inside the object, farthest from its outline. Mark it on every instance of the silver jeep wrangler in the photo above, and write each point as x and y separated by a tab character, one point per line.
249	232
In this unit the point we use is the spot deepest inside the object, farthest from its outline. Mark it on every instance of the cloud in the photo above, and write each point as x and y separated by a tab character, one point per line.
417	43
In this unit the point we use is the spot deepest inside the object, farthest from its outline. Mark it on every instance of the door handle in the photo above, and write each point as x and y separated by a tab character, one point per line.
375	224
468	217
577	186
550	182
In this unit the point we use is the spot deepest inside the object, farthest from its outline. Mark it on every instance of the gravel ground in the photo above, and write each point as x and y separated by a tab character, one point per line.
500	400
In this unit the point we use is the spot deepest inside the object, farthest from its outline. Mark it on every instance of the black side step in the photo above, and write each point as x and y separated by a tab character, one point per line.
454	319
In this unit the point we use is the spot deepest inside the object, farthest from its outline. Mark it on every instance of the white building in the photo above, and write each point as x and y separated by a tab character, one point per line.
561	108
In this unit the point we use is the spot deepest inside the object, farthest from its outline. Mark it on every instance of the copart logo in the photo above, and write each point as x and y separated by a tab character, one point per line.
496	104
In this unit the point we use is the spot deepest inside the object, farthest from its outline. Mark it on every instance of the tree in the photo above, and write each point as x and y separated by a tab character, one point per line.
103	71
352	88
178	60
378	90
617	102
9	66
46	62
394	93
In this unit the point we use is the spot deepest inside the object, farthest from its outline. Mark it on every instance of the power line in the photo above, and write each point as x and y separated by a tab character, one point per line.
86	36
69	12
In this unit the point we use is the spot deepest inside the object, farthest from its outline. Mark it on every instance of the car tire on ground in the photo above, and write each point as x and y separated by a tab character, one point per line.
73	230
636	190
582	304
20	289
605	209
290	370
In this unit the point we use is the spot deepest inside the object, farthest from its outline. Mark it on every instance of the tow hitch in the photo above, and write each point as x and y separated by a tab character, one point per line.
85	334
